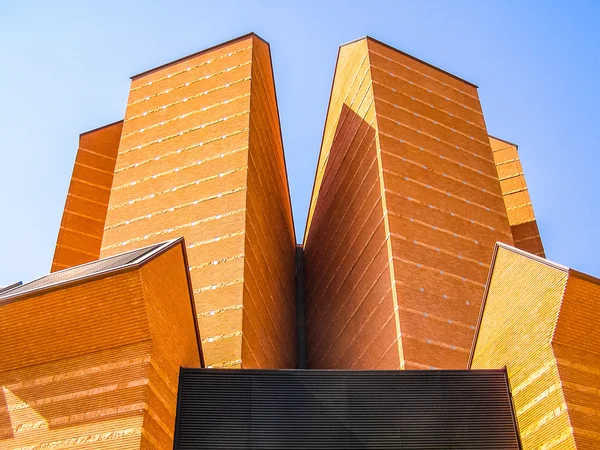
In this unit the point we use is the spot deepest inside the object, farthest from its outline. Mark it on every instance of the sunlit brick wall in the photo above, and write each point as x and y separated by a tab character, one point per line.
82	225
516	197
192	136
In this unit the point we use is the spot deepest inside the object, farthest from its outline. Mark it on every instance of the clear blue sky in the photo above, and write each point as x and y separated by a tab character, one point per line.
66	68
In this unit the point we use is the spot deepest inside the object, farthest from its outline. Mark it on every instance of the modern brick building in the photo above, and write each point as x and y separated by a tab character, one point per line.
177	248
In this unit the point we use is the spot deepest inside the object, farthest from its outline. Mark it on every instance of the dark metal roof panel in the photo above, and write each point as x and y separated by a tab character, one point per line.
90	269
344	410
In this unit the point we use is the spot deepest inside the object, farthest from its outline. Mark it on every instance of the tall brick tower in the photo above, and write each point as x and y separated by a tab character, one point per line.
200	155
405	212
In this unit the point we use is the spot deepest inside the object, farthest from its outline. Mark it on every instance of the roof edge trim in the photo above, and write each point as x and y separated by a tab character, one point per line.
183	58
502	140
101	128
135	264
413	58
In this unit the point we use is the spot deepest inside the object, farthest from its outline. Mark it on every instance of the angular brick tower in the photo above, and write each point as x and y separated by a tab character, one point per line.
201	156
84	216
540	321
516	197
405	212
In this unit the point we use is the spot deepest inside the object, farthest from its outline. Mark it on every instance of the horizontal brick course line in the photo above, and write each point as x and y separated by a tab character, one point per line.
183	116
173	208
445	175
221	337
176	188
528	238
233	362
182	149
437	343
182	132
544	420
453	146
216	239
435	122
411	199
72	230
175	228
579	367
197	80
499	149
77	373
185	99
513	175
76	395
402	141
177	169
56	263
428	90
508	161
448	194
99	186
212	287
68	211
77	163
435	317
438	270
522	205
219	311
424	74
92	438
83	149
430	105
515	191
78	250
437	249
87	199
195	66
216	262
423	366
538	398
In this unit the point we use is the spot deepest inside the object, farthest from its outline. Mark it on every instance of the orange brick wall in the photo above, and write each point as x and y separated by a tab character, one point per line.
442	209
516	197
81	228
183	170
94	401
522	289
174	341
351	322
269	309
444	204
96	363
576	342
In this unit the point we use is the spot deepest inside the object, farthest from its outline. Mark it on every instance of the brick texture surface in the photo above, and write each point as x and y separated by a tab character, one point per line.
96	364
81	228
523	225
201	156
426	151
351	322
540	322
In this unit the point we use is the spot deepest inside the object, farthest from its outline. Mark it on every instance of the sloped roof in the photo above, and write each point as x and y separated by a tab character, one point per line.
123	261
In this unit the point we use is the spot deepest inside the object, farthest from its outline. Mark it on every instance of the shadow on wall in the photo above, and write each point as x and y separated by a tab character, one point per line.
83	393
350	321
